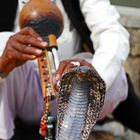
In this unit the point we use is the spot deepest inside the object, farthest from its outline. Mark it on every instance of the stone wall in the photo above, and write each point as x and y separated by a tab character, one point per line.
130	18
132	64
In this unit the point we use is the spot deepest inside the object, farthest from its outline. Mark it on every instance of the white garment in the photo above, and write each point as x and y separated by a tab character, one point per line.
111	40
20	92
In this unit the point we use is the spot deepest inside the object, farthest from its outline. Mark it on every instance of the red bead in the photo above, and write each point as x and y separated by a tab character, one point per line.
43	130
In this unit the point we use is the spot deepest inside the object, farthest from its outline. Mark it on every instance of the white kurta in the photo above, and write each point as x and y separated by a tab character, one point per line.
20	92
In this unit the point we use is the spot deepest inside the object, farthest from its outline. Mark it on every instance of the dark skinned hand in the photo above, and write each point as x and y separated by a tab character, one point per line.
66	65
20	47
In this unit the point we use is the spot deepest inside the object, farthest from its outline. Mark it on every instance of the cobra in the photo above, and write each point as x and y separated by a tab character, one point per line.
81	97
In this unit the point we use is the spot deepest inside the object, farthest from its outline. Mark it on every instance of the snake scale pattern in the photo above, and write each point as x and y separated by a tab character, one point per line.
81	97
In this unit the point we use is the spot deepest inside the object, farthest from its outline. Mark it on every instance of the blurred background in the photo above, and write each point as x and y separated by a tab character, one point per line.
130	18
130	3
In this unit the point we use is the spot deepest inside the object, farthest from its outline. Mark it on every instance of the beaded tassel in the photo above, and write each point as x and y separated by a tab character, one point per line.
46	125
43	122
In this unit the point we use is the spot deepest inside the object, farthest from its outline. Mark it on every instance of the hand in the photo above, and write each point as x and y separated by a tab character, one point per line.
20	47
66	65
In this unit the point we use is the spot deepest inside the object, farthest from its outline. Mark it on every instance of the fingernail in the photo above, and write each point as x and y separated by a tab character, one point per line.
44	44
40	39
38	51
33	56
58	84
57	76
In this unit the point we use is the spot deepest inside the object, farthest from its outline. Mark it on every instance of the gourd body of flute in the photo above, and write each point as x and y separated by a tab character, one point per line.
43	16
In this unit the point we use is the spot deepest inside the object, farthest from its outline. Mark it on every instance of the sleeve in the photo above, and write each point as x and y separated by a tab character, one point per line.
110	38
3	39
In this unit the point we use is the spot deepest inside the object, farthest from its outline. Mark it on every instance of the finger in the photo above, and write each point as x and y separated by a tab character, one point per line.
32	32
28	39
29	30
57	85
26	49
20	56
68	67
60	69
85	63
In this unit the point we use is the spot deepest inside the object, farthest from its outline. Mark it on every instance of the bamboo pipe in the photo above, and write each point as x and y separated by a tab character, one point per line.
46	19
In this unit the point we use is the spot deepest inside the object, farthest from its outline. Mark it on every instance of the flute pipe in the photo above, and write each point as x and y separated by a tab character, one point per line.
50	74
56	58
53	44
51	57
